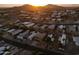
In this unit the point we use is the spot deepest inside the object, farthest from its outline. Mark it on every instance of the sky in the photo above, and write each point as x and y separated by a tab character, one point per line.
36	2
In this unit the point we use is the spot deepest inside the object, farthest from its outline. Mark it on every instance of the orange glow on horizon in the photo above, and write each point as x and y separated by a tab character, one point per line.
38	2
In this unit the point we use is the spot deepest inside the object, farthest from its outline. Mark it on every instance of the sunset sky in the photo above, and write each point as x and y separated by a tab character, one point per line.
37	2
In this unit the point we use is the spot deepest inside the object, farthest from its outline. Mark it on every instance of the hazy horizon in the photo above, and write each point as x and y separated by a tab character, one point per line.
13	5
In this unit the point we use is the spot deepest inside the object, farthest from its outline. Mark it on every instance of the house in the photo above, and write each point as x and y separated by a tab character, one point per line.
11	30
62	39
40	36
51	26
76	40
21	35
51	37
25	23
59	19
53	19
1	25
61	26
32	35
43	26
36	27
77	26
27	34
17	31
30	25
72	27
2	50
5	29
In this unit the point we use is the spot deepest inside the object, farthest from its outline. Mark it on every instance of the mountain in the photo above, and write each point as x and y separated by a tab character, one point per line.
9	5
69	5
49	7
13	5
41	8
